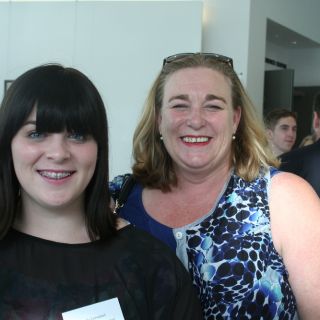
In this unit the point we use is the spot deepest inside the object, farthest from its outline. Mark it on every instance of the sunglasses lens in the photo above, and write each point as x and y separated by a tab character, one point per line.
176	57
215	56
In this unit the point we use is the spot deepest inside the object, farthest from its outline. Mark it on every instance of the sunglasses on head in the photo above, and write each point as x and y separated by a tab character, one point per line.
214	56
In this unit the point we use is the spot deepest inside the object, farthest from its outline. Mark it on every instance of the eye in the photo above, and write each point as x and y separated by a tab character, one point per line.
179	106
77	136
36	135
213	107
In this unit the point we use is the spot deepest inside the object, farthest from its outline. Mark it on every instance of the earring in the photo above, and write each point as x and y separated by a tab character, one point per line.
233	137
161	137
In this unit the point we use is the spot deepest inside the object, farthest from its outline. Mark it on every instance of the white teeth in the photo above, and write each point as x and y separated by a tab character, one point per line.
195	140
55	175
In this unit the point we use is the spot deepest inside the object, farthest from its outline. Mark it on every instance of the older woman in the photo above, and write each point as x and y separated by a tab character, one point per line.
206	184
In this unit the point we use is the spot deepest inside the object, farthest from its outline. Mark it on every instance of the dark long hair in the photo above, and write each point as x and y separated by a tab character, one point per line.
64	99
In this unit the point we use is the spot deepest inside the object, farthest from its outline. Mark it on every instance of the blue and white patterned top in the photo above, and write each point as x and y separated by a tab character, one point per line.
229	252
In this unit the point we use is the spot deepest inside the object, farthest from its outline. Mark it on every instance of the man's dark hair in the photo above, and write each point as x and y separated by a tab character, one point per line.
272	118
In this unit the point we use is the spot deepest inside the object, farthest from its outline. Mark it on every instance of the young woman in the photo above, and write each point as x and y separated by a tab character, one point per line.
61	248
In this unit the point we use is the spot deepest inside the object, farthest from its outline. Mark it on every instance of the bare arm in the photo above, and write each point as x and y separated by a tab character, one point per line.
295	225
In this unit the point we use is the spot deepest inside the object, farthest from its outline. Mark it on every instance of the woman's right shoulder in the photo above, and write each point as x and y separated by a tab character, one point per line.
116	184
143	243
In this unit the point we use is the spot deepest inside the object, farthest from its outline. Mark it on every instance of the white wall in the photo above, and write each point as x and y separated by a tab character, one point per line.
226	31
119	45
238	29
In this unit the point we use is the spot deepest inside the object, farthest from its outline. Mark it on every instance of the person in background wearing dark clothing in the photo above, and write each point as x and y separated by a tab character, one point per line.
281	130
305	161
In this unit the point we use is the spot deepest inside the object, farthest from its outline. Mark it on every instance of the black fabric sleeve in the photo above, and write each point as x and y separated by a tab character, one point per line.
171	293
187	305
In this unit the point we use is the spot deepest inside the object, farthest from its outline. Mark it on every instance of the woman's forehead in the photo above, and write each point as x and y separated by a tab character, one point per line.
188	80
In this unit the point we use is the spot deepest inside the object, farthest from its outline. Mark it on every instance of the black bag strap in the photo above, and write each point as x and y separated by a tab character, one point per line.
126	187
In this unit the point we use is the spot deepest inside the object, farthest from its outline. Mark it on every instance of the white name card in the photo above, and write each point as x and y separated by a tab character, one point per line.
105	310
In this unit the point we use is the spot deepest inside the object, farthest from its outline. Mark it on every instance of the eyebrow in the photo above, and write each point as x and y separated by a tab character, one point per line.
209	97
215	97
30	122
284	125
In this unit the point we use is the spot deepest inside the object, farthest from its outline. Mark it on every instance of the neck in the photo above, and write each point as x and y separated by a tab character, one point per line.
215	178
275	150
63	225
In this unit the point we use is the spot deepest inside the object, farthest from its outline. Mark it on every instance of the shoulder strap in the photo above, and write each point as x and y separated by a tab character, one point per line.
124	193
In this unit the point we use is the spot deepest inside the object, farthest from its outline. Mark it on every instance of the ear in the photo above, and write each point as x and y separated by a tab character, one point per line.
236	118
269	134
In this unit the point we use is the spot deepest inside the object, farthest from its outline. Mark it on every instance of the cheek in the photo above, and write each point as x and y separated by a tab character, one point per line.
16	150
89	156
163	124
224	124
22	154
170	121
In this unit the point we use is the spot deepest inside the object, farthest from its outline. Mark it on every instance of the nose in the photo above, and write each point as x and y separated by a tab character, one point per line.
292	133
57	148
196	118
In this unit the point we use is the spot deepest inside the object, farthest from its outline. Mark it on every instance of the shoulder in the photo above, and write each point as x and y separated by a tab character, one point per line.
293	203
118	180
287	185
153	273
302	152
140	241
151	256
289	156
147	247
116	183
290	196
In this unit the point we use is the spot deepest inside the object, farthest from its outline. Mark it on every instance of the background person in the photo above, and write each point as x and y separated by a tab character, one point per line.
61	248
207	187
281	128
305	161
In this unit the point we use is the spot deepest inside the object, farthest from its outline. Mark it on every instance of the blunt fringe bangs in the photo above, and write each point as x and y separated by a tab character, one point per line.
65	99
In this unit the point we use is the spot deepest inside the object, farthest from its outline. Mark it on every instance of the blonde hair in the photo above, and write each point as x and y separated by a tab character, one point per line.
153	165
307	140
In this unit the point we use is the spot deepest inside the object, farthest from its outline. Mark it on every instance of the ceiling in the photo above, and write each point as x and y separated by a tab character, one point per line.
284	37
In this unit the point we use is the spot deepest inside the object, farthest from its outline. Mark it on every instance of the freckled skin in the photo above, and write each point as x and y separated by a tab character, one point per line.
197	104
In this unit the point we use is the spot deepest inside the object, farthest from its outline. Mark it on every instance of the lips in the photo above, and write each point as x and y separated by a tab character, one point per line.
55	175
